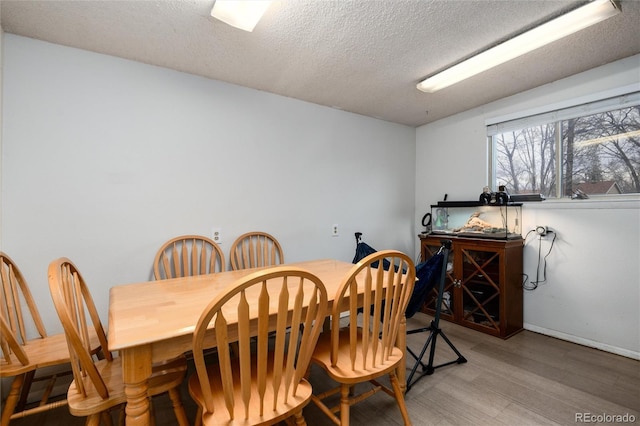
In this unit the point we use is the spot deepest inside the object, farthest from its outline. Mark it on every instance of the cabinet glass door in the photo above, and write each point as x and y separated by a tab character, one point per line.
480	284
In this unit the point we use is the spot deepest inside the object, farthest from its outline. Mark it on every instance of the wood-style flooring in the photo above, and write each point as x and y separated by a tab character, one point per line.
529	379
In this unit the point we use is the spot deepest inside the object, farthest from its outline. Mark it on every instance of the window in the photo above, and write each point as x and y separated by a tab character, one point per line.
589	149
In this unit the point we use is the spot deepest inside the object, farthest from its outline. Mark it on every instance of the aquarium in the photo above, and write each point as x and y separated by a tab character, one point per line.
474	219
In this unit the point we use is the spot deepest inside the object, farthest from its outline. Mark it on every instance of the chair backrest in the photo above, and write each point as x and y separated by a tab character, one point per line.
74	305
10	344
255	249
15	292
384	293
188	255
287	301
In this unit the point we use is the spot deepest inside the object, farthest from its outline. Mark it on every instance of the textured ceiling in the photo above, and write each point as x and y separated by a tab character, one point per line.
363	56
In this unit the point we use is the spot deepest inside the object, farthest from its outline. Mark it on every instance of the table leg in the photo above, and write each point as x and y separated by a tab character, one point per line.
136	370
402	344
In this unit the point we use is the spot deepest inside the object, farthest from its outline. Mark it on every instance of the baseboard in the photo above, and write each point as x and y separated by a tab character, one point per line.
584	342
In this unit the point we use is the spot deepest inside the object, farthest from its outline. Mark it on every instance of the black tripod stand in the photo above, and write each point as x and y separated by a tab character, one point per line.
434	330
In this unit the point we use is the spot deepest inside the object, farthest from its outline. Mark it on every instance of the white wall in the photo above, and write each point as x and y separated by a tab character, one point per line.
104	159
592	294
1	74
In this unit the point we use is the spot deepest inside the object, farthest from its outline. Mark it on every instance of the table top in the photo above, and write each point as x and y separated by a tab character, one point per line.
168	310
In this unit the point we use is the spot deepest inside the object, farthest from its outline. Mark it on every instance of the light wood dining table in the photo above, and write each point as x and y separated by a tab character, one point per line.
154	321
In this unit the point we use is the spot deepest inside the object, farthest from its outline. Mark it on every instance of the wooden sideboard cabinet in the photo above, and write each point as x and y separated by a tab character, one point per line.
483	286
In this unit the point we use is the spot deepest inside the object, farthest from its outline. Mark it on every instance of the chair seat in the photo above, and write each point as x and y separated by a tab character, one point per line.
42	352
343	372
164	377
221	416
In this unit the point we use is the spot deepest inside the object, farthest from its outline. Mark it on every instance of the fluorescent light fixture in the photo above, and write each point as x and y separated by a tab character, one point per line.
243	14
560	27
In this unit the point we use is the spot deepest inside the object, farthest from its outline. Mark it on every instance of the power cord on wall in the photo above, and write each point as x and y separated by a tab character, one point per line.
534	284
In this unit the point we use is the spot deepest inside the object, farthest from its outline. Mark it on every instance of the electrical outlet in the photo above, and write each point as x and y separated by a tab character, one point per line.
334	230
542	230
217	235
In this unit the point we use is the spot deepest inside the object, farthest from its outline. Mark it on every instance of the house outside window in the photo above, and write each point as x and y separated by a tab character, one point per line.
582	151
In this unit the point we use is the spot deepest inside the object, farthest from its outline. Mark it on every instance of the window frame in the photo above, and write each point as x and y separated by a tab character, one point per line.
617	98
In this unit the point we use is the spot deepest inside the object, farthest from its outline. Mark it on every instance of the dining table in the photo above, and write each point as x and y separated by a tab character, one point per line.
153	321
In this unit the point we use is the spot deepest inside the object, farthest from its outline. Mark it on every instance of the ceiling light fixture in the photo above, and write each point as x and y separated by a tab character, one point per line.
243	14
569	23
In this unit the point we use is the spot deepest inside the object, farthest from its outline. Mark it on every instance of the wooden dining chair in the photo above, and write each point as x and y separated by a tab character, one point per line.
264	384
97	385
188	255
255	249
23	355
367	347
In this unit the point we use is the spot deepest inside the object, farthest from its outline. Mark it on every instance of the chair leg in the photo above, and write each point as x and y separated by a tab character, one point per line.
93	420
12	399
198	421
26	387
178	408
318	400
352	390
105	416
122	415
300	421
345	403
399	395
152	414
